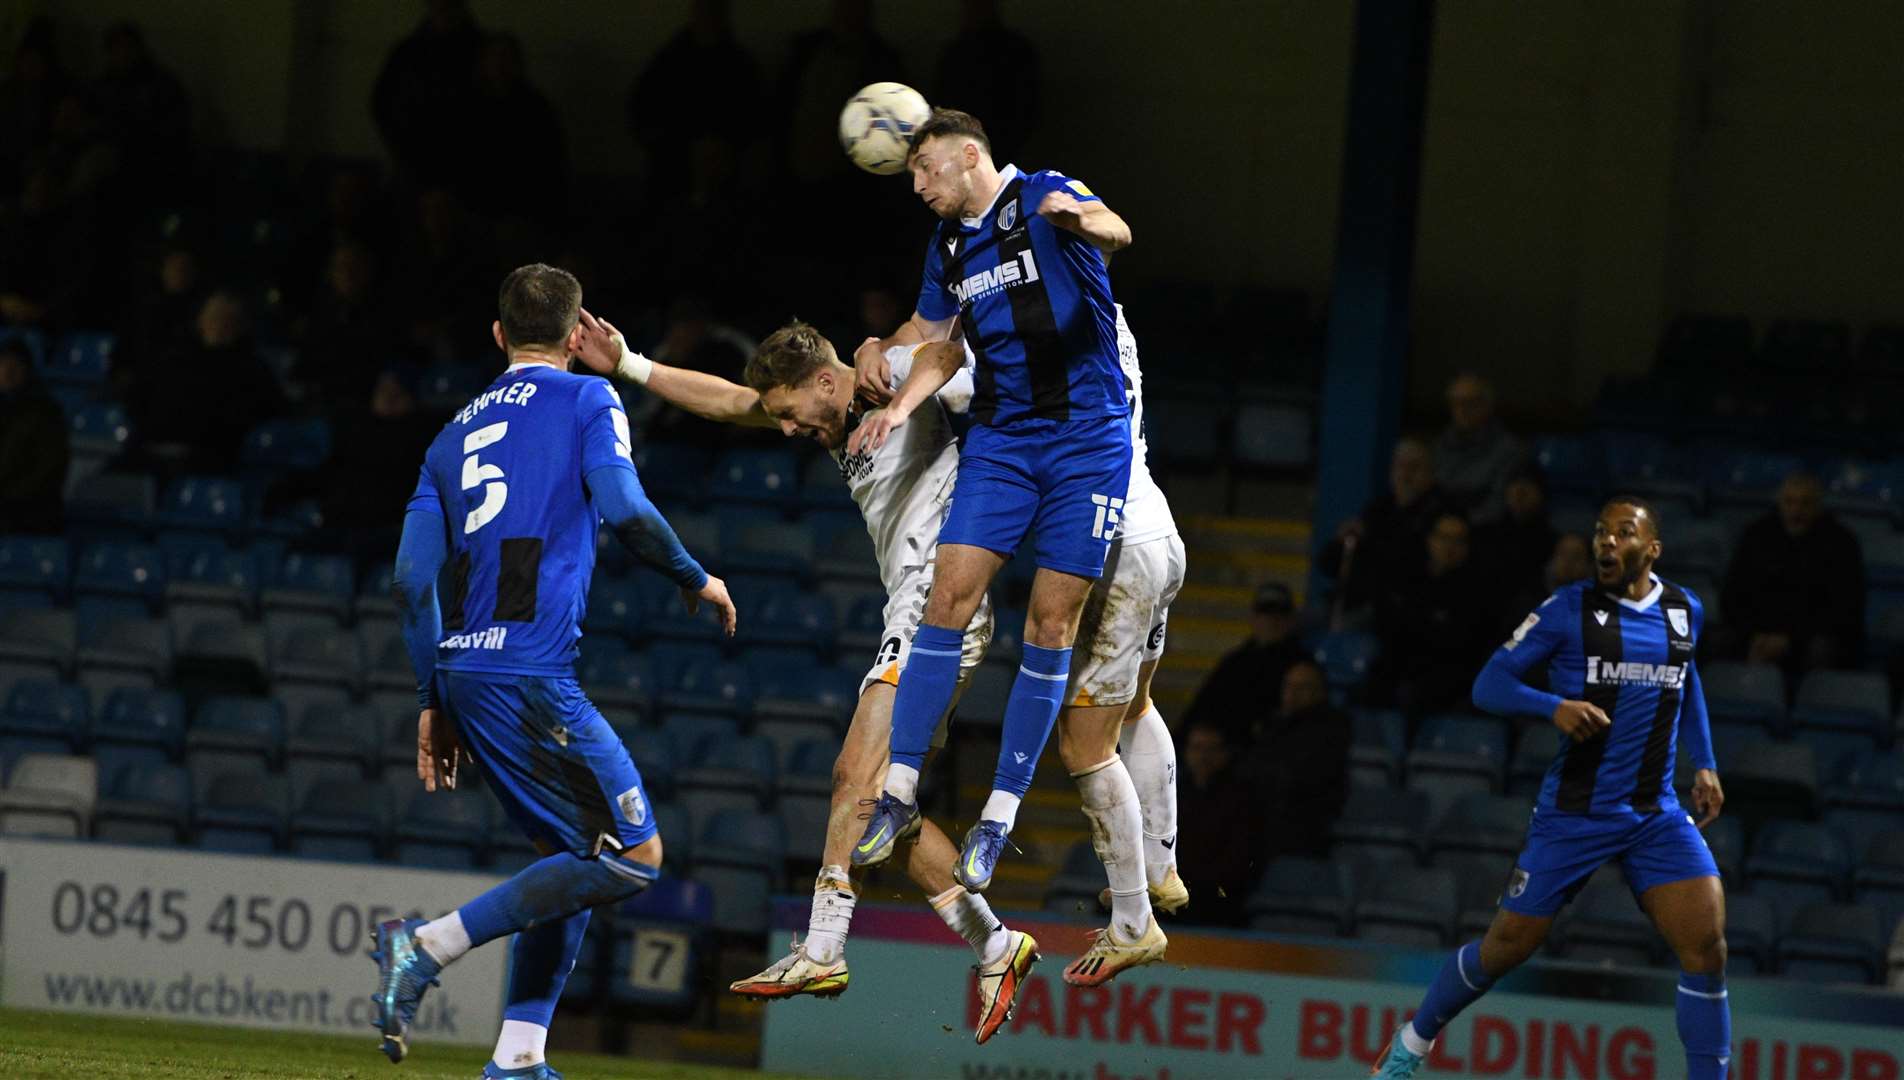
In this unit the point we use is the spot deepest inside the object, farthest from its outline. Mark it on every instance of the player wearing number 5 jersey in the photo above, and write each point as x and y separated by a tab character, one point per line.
505	515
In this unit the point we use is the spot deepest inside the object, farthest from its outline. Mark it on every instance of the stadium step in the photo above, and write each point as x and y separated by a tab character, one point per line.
1228	557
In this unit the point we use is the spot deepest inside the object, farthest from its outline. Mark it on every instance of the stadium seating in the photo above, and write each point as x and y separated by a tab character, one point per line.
1844	712
1294	896
1794	863
1491	825
241	813
1408	906
1604	924
1381	825
47	709
1456	755
1748	695
1833	943
738	858
232	733
1751	934
1375	754
1772	780
144	804
49	795
34	568
440	830
661	947
341	820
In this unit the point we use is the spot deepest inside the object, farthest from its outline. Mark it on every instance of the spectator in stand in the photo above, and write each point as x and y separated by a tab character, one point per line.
446	270
1435	634
1571	561
1516	548
424	93
34	85
1794	593
353	213
699	81
506	101
347	338
992	72
1221	828
1250	676
49	254
1379	552
33	449
361	492
190	411
695	339
1475	456
162	320
1300	763
145	112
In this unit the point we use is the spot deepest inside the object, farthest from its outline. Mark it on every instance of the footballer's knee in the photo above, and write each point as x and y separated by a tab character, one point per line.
1703	951
1511	939
648	851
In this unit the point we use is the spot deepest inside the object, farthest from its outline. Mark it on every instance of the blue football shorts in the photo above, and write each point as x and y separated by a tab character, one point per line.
560	772
1563	850
1065	481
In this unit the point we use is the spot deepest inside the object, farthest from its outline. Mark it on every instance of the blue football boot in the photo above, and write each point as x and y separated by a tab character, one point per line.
1399	1063
892	821
984	843
493	1071
404	971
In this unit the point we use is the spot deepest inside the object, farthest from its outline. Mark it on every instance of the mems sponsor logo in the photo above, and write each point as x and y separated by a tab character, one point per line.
1020	271
1633	673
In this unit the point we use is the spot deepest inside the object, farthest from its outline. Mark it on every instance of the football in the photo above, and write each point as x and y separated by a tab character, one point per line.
877	123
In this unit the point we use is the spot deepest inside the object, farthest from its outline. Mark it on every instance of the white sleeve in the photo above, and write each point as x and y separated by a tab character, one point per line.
955	395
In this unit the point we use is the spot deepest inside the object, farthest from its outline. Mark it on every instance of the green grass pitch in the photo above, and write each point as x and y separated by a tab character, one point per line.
35	1045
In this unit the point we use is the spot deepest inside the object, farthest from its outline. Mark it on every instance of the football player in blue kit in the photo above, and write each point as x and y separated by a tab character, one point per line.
505	516
1618	649
1016	267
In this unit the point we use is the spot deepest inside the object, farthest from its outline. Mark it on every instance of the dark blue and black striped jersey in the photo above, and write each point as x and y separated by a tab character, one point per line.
1632	659
1034	303
506	473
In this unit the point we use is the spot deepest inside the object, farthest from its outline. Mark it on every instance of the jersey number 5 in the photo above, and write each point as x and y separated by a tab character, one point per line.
475	474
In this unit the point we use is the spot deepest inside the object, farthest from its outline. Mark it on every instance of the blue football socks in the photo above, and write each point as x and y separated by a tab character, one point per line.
925	692
540	960
1705	1025
1036	696
1459	983
551	889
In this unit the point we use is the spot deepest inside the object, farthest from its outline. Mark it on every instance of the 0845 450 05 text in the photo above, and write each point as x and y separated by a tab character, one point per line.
255	922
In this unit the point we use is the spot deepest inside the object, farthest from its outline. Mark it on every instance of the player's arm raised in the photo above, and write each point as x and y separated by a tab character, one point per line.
1090	218
605	351
872	373
933	365
421	553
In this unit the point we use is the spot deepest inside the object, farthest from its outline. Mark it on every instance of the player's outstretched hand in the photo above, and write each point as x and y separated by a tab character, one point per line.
874	429
1707	796
600	345
438	749
872	375
1060	209
714	592
1581	720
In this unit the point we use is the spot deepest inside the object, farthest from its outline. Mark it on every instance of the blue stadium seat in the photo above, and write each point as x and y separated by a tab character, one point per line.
1725	838
1842	712
448	387
863	626
28	338
614	607
98	431
1079	876
846	553
220	655
617	680
1604	924
1408	906
1833	943
82	357
757	477
688	732
387	659
1469	747
375	602
804	817
349	735
1527	769
653	754
1294	896
1347	657
1701	548
791	619
809	768
440	830
312	655
823	488
321	584
228	731
341	820
758	546
1381	826
510	852
241	813
41	637
674	474
1751	934
149	804
1375	754
1880	866
1571	463
153	719
1772	780
1744	695
112	500
35	566
825	695
205	504
287	444
718	689
115	569
660	948
738	857
1493	825
133	645
47	709
744	764
50	795
1884	561
1747	477
212	575
1794	863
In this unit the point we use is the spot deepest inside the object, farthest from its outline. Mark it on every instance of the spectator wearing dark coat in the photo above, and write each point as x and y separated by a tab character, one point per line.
1438	630
1475	456
423	94
1300	763
1220	829
1794	594
33	448
1249	678
1513	551
191	410
695	85
1380	551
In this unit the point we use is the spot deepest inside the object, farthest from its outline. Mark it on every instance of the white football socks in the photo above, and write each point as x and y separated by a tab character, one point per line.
1117	829
971	918
1002	806
902	782
444	938
520	1045
832	915
1151	757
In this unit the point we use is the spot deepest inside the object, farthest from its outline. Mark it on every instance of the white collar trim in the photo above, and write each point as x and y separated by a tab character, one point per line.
1005	176
1651	597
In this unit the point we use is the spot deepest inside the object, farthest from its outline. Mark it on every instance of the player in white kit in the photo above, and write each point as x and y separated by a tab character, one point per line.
903	490
1108	713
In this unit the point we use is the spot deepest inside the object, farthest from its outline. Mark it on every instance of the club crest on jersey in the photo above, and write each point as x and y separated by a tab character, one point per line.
1682	623
1008	216
1517	884
633	806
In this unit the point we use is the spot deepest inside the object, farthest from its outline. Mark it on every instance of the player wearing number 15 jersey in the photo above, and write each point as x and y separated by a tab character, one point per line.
505	516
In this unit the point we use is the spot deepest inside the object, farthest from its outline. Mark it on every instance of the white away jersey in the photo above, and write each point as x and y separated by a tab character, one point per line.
1146	512
905	487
